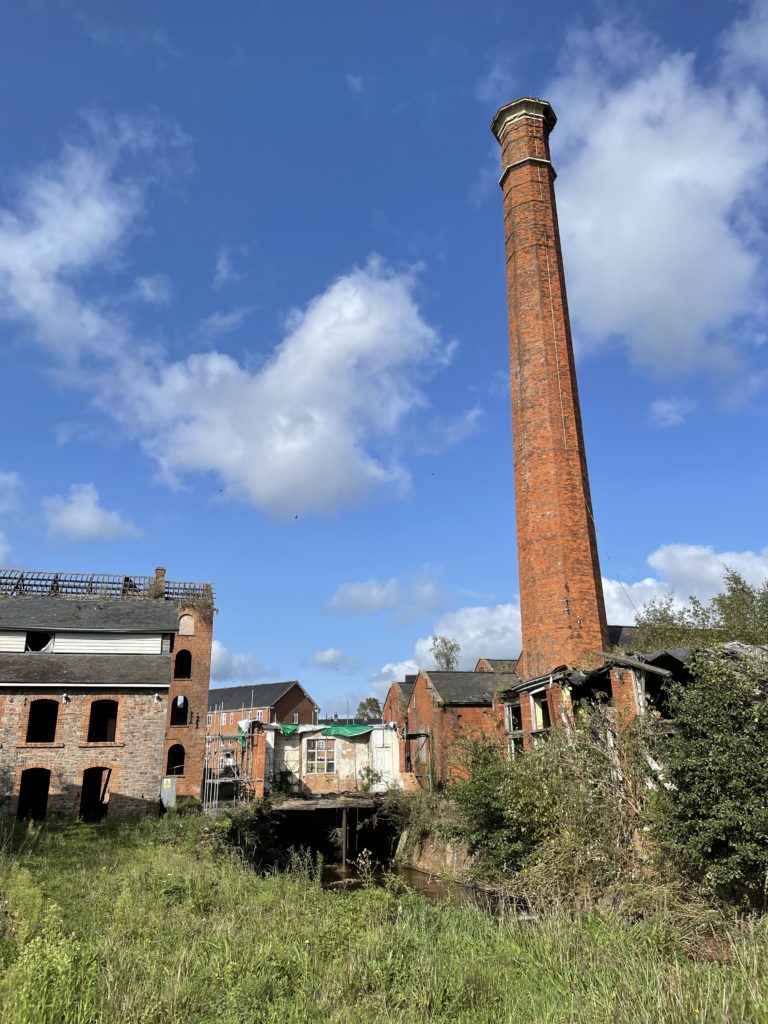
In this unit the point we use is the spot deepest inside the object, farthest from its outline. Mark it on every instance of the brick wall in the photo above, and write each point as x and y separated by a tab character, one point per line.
134	756
561	600
195	689
295	701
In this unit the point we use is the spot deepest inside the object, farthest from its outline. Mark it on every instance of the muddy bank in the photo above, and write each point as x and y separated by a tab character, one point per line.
434	856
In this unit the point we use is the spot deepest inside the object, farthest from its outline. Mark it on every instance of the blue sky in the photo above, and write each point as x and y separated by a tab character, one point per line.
253	317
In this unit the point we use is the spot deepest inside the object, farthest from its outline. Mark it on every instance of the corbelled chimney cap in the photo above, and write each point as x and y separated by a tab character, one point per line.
526	106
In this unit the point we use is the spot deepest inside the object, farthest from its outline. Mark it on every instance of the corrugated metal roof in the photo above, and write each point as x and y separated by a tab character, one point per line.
114	670
111	615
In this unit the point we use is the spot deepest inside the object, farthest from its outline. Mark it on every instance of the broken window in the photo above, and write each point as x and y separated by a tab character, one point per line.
176	756
182	668
33	793
41	724
540	711
102	723
514	720
321	757
37	640
179	710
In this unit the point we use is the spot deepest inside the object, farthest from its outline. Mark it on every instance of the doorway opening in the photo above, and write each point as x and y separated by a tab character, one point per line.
94	795
33	794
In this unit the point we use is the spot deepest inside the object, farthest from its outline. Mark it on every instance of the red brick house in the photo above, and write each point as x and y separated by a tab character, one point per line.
442	708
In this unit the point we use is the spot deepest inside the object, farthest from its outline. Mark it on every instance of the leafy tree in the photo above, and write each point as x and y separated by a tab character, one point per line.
368	708
446	652
739	613
711	816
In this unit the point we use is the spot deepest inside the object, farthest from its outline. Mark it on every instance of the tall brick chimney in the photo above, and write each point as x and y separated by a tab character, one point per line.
561	597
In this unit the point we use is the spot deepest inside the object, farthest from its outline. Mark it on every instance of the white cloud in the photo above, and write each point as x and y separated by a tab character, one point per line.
659	237
10	484
334	659
227	667
483	632
80	517
225	270
368	597
154	289
496	86
393	670
313	430
745	43
683	570
355	83
669	412
222	323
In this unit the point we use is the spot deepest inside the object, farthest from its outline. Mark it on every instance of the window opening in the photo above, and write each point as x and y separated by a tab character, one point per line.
102	724
208	718
182	667
295	717
33	794
321	757
41	724
176	755
541	719
259	716
179	710
38	641
514	716
94	794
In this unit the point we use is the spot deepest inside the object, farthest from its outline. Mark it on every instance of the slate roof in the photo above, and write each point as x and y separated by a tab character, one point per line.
114	615
504	665
470	687
257	695
622	636
64	670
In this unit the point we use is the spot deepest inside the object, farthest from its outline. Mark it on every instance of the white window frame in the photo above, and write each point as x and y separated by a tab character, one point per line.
295	717
321	765
259	715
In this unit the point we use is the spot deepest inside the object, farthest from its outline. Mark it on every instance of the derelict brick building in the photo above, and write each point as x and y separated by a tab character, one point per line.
103	691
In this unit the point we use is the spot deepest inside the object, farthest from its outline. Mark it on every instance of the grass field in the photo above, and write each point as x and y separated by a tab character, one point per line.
154	923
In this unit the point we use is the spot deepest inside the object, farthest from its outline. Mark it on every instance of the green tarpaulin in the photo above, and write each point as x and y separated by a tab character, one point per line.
328	730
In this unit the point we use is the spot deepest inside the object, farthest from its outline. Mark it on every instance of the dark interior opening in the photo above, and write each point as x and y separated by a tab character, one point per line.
94	795
37	640
102	724
182	668
593	690
175	765
179	710
320	832
33	794
656	695
41	724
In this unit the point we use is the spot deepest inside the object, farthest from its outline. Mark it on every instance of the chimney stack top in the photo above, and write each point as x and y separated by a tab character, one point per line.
526	106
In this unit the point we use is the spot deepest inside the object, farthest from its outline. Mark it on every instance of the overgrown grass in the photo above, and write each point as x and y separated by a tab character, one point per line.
156	923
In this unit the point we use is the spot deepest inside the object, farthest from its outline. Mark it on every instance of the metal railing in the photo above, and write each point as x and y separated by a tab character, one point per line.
18	582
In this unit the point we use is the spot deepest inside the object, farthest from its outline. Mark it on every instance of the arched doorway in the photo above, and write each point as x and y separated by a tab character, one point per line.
33	793
94	794
176	757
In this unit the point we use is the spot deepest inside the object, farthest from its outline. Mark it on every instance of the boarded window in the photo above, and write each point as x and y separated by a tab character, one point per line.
321	757
182	668
179	710
176	756
186	625
41	724
102	723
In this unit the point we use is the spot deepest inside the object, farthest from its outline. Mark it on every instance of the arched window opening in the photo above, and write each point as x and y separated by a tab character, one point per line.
37	640
179	710
33	794
175	764
94	794
186	625
182	667
41	724
102	724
